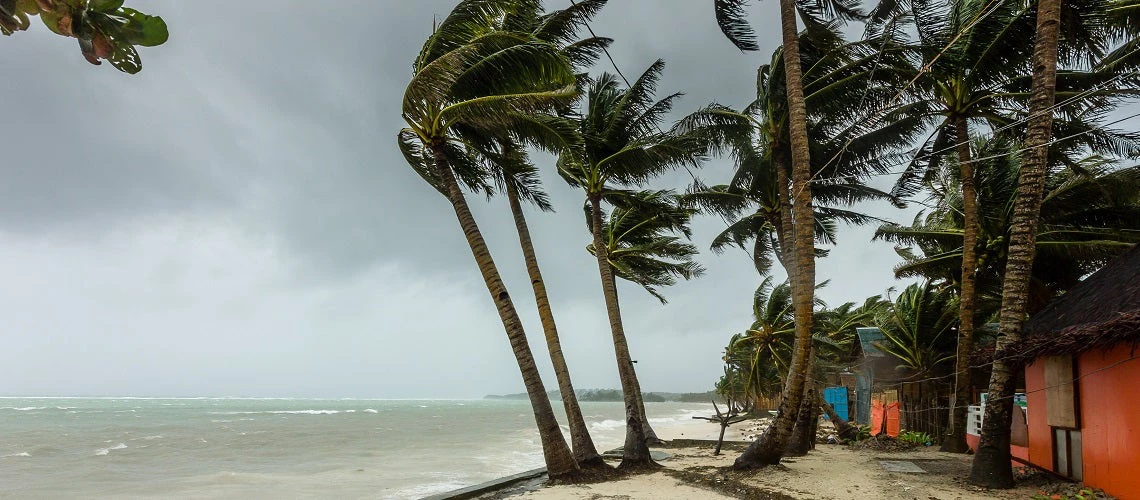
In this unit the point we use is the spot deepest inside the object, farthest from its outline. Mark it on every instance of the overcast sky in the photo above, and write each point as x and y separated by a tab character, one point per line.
237	221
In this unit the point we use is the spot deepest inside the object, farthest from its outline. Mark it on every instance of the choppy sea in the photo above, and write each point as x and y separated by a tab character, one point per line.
277	448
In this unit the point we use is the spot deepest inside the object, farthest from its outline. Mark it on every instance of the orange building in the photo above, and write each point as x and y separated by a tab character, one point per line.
1081	378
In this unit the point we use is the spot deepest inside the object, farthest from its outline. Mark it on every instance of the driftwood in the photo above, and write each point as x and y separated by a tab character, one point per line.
733	416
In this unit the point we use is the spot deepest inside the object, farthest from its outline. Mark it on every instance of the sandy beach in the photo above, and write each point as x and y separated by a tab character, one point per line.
829	472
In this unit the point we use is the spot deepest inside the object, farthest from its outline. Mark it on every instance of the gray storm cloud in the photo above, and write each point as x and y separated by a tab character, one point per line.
236	219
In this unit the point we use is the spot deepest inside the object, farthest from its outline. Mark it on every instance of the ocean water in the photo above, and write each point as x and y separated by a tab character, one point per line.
283	448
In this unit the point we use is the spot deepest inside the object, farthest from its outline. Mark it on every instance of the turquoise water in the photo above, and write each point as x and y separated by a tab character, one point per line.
227	448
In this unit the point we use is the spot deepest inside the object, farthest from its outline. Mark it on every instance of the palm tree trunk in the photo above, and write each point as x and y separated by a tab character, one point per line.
955	442
767	449
785	232
991	466
636	452
584	451
650	435
559	460
802	440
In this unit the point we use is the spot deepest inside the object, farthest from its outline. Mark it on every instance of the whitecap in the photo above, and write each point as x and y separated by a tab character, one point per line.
277	412
26	408
107	451
370	410
21	454
607	425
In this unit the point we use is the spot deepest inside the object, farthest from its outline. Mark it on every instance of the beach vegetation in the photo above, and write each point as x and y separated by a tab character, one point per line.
105	29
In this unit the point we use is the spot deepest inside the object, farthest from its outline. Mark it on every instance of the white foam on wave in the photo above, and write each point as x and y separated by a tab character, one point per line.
107	451
279	412
370	410
607	425
13	455
25	408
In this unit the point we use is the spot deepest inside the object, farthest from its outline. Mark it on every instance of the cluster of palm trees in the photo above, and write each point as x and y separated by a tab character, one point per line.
498	77
998	110
957	98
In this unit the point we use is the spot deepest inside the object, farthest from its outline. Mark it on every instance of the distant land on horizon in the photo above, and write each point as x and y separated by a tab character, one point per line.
615	395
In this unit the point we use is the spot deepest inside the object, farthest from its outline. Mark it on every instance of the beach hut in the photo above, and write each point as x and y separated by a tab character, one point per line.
1081	375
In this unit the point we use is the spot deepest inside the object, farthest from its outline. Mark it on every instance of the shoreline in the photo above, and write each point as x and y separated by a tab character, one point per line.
828	472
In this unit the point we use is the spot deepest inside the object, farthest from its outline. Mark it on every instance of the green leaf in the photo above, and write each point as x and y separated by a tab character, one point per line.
125	58
142	29
104	5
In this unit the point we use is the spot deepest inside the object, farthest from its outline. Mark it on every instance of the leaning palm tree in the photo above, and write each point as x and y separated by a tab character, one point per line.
518	178
642	248
623	146
469	78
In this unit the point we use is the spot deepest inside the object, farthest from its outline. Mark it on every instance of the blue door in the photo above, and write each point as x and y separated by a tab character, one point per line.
837	398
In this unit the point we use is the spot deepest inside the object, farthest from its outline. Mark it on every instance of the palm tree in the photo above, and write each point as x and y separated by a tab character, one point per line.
519	179
844	153
623	146
730	16
969	52
1090	213
759	356
639	246
105	29
641	250
919	328
471	77
991	464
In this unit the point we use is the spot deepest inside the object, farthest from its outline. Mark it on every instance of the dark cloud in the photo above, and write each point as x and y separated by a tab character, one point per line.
236	219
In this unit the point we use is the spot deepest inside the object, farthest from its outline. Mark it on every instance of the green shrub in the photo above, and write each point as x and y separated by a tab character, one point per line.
918	438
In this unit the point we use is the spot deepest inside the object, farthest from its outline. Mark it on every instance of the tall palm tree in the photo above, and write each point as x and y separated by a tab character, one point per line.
1085	35
991	464
517	177
731	17
641	248
472	77
519	180
104	28
757	138
623	146
969	52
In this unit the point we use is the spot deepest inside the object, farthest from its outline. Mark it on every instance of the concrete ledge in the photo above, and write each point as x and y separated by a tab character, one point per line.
489	486
685	443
